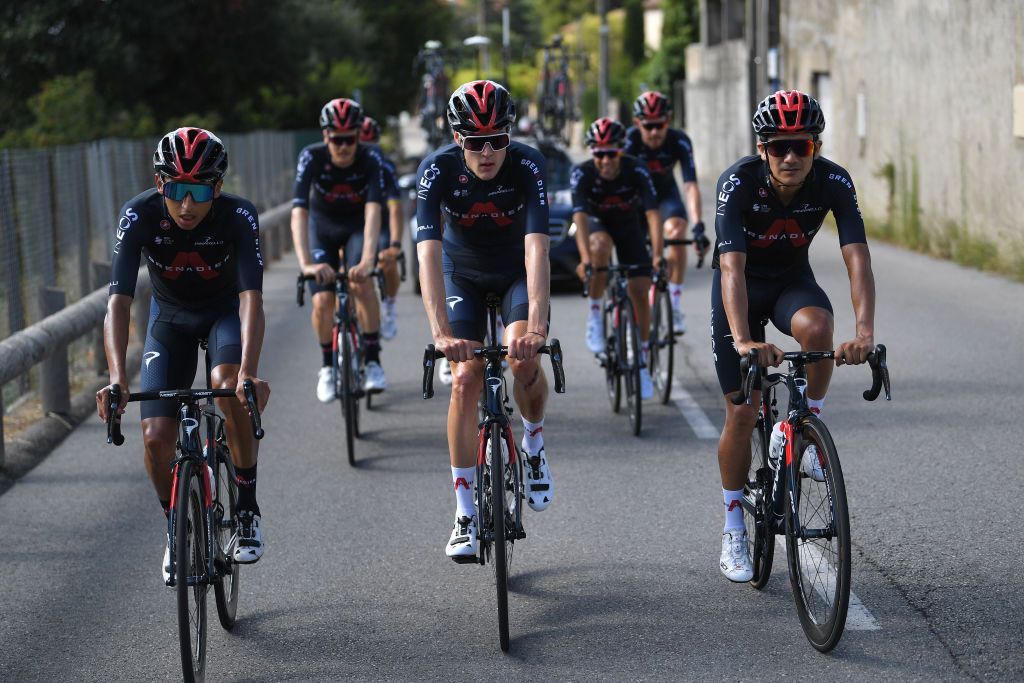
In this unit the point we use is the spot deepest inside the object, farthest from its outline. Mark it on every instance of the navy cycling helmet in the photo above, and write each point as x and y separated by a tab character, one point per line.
191	155
481	108
788	111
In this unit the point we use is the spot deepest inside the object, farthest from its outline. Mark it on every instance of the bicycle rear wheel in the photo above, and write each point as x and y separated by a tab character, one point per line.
819	551
225	524
661	357
757	506
612	377
630	358
190	571
346	392
501	538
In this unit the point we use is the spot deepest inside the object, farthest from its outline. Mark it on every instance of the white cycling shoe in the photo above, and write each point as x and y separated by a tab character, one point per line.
735	561
463	544
165	565
444	371
646	385
325	385
678	321
388	323
249	544
540	486
375	381
595	335
811	465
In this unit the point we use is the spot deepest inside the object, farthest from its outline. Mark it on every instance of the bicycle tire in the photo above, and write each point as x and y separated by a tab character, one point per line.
630	359
190	561
225	587
497	493
757	506
349	404
823	627
662	352
613	379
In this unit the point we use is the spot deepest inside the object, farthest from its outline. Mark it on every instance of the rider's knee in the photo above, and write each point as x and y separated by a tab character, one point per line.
223	378
323	302
600	246
158	435
675	228
526	372
467	380
740	418
815	330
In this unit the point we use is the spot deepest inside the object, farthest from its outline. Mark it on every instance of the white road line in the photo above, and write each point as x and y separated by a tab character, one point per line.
699	422
858	618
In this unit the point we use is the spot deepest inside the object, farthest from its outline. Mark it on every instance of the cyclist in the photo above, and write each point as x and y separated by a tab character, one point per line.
344	215
491	194
608	194
202	250
661	147
391	238
770	207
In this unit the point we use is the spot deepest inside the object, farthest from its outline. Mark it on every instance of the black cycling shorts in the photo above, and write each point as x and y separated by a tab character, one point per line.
466	293
172	348
630	240
775	299
670	202
327	237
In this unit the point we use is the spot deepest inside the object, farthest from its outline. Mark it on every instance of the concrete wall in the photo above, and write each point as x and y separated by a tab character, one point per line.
936	83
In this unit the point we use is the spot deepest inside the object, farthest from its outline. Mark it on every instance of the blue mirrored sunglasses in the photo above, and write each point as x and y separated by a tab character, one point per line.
200	192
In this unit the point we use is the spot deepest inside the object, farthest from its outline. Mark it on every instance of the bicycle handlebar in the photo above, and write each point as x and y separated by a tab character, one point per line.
115	436
300	290
494	353
702	241
590	270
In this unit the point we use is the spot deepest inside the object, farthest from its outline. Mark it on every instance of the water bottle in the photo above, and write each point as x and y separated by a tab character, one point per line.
776	446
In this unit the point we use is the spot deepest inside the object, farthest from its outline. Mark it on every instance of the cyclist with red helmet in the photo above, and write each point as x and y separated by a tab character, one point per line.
202	250
390	245
769	208
491	194
344	215
609	194
661	148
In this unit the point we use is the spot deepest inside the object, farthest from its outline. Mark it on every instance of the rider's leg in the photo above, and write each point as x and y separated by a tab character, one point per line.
813	327
600	256
639	293
675	229
530	388
159	435
243	445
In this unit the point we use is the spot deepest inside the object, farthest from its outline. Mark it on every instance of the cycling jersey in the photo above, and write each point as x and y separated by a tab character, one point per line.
616	202
338	193
750	218
391	191
213	262
485	221
661	161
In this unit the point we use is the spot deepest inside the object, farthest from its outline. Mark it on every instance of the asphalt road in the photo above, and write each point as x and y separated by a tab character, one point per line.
617	580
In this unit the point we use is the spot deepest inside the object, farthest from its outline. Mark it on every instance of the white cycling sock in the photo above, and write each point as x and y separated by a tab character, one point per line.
816	406
675	293
533	438
595	309
733	509
463	478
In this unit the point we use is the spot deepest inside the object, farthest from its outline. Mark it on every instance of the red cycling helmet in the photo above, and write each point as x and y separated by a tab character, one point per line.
369	131
606	132
191	155
481	108
788	111
341	115
651	105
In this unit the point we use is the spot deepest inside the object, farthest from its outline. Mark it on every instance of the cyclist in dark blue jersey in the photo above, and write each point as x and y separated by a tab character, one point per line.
343	216
661	148
768	209
202	250
609	194
391	229
490	194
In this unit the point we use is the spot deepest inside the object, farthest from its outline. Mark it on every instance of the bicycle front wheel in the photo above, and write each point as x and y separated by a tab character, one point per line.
346	392
757	505
630	358
663	341
225	523
613	379
498	508
190	570
819	550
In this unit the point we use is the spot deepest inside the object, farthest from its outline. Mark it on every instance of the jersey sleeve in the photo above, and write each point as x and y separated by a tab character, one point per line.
374	179
533	171
245	224
849	221
579	185
632	141
731	194
303	179
431	180
648	195
684	152
391	190
127	252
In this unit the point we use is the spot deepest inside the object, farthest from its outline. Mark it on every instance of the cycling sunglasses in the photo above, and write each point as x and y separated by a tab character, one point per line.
780	148
177	192
605	153
656	125
342	140
476	143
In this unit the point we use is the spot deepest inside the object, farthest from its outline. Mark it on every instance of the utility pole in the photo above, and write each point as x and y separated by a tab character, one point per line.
506	43
602	76
481	30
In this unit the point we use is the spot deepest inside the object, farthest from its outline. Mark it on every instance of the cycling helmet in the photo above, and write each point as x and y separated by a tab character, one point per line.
605	132
651	105
481	108
788	111
191	155
341	115
369	131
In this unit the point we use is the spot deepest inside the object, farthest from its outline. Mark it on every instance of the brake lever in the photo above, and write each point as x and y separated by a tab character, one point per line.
879	375
114	435
254	414
748	365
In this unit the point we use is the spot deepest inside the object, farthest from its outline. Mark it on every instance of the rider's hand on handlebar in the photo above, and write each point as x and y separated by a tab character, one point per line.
583	271
103	400
768	355
855	351
657	260
456	350
389	255
261	388
360	271
323	273
525	347
700	240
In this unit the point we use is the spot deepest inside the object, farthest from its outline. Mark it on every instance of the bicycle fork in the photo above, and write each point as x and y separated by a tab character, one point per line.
188	443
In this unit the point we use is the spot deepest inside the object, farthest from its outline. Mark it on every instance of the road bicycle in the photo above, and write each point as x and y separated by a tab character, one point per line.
203	524
661	356
621	358
499	468
557	109
787	494
348	355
